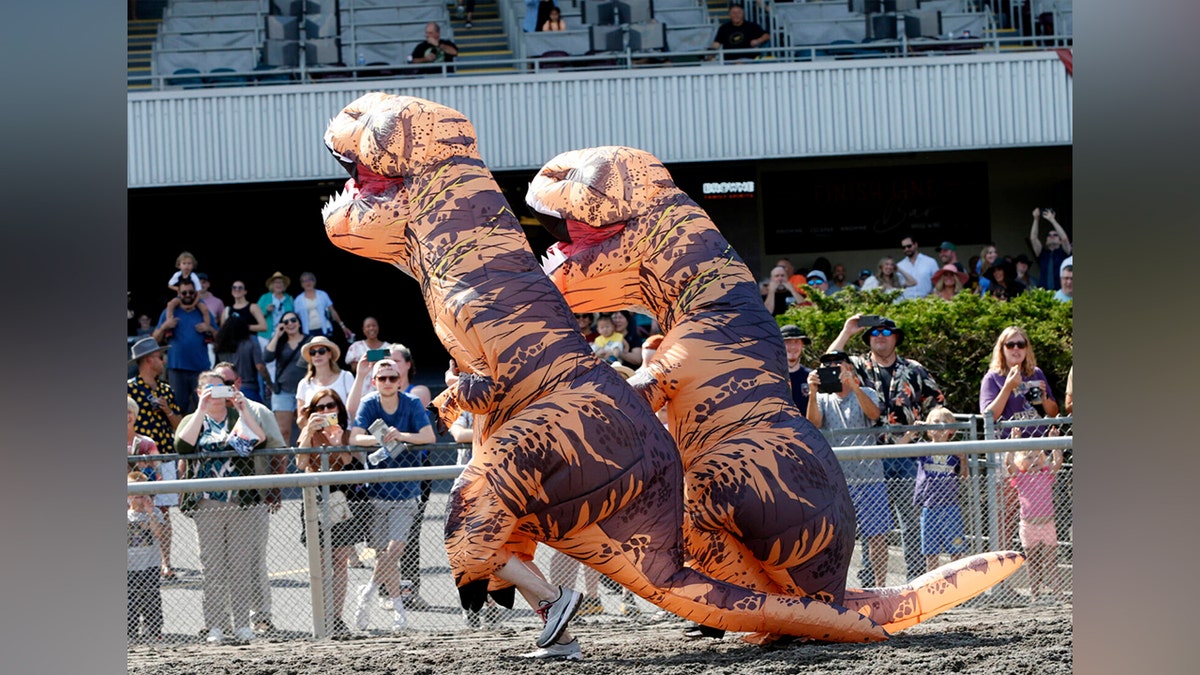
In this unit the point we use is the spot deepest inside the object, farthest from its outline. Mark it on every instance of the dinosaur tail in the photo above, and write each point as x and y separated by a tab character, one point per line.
899	607
711	602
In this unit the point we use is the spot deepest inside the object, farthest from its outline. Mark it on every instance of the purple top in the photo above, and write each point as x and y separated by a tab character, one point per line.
1017	408
937	481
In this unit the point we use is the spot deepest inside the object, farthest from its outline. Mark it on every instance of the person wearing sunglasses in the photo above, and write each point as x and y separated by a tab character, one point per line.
183	326
394	505
918	266
1013	389
322	356
907	392
283	349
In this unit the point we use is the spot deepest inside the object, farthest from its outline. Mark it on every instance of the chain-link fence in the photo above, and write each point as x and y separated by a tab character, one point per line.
263	563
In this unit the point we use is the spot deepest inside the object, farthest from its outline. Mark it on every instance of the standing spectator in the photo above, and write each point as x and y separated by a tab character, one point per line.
153	469
216	306
948	282
1002	283
283	349
434	49
319	431
184	332
948	255
837	279
1033	478
1022	263
235	344
1056	250
274	304
158	415
1013	389
938	481
888	277
242	308
467	8
780	294
370	329
796	279
624	326
224	519
143	597
322	355
185	263
918	266
1066	278
315	309
256	538
145	326
737	33
987	258
794	342
908	392
585	322
395	505
856	407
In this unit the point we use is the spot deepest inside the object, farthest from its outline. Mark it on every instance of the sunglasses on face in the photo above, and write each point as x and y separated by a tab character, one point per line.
237	287
877	332
1016	344
319	351
387	378
187	293
323	407
907	246
815	282
290	320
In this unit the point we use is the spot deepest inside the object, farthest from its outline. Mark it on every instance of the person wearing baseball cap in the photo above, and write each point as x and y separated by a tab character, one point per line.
794	342
948	255
907	392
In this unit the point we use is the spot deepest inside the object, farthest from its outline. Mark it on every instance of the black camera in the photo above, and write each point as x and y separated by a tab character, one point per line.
830	379
1034	395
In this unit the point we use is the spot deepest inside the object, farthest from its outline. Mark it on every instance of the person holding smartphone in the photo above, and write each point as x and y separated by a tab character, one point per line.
370	341
1051	256
284	349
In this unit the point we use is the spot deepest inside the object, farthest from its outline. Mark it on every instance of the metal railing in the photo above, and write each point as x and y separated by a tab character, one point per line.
292	584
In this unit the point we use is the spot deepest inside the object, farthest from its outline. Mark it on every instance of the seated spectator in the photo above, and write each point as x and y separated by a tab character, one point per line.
585	321
863	275
370	340
888	277
224	518
405	425
609	344
779	293
816	279
1022	263
554	21
948	282
737	33
434	49
1002	283
837	279
1066	278
326	422
856	407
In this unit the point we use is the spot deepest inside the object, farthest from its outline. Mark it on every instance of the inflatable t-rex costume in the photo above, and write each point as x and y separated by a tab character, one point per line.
565	453
766	503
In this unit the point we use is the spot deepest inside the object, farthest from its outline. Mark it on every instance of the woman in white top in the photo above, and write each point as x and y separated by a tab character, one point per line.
315	308
370	329
888	277
322	355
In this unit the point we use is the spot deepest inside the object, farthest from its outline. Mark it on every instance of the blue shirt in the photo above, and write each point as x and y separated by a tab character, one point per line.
188	351
410	417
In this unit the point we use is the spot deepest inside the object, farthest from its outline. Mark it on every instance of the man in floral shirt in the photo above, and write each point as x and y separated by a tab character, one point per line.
907	392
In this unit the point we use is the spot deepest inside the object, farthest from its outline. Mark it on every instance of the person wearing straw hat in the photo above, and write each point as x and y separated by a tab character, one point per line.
274	304
322	356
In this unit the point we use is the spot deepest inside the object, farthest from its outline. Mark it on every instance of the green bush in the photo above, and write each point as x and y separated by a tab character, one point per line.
953	340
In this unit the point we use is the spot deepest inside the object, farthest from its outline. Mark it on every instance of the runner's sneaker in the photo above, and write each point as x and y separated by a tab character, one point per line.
215	636
244	634
557	615
362	613
569	651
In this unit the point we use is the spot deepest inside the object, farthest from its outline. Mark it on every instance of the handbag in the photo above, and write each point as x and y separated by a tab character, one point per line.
337	509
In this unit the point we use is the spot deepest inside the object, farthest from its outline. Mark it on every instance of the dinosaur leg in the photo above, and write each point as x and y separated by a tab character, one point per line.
932	593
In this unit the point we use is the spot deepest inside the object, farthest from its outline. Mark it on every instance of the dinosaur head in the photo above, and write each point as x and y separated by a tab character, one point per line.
591	200
385	142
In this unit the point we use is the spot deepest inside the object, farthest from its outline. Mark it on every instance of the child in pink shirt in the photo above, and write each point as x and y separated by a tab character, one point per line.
1033	475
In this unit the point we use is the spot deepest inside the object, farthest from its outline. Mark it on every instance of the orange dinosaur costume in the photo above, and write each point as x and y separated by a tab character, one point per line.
766	503
565	452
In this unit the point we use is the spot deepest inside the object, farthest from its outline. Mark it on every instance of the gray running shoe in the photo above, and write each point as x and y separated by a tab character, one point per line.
557	615
569	651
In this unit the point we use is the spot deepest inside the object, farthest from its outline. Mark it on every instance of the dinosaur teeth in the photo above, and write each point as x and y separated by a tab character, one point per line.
553	259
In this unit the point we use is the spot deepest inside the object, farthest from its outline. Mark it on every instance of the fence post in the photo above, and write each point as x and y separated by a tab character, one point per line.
993	485
974	476
316	575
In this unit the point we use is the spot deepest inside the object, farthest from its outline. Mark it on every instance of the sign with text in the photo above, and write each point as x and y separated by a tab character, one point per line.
874	207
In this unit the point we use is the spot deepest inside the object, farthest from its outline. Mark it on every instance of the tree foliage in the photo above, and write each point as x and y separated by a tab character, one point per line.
953	340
